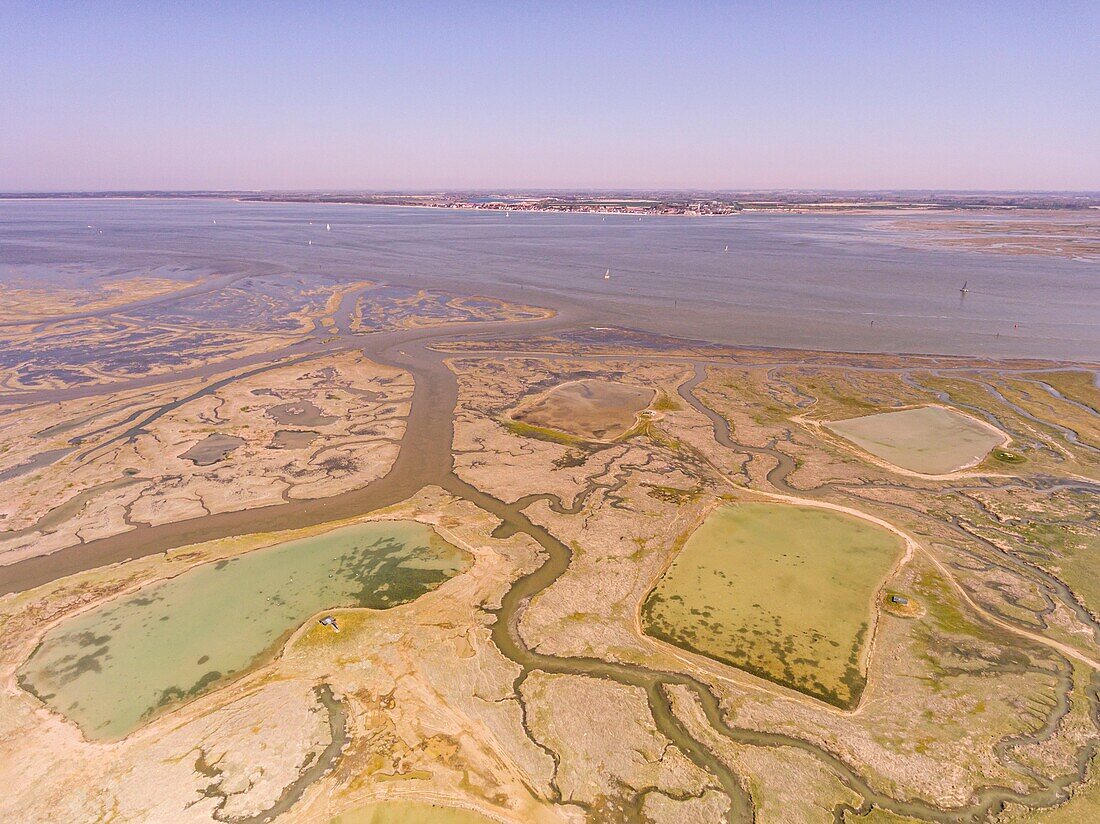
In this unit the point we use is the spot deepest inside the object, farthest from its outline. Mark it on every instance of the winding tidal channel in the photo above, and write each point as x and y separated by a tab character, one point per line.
425	458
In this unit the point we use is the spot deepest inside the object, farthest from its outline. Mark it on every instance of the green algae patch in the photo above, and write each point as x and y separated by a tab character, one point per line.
783	592
121	663
410	812
666	403
539	433
672	494
929	439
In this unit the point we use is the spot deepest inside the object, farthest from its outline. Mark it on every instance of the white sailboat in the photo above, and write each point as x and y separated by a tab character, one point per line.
727	248
328	228
607	275
964	290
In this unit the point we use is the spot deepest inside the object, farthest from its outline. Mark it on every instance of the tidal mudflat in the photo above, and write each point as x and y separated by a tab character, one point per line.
589	409
115	666
781	591
929	439
410	812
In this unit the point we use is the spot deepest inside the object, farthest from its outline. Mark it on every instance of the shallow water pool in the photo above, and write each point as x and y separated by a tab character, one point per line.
116	666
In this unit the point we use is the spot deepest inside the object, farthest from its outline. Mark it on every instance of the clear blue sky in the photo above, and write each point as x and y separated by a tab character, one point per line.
1000	95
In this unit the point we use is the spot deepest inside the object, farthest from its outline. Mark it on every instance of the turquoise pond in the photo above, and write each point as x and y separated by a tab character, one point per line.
121	663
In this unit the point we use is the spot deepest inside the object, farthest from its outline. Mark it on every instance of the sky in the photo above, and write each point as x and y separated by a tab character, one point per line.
426	96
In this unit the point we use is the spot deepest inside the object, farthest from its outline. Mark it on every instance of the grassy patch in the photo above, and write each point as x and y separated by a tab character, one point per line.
1004	456
646	428
672	495
666	403
539	433
571	459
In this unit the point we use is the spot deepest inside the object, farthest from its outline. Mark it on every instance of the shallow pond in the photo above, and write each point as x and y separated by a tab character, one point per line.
121	663
300	413
928	439
293	439
212	449
781	591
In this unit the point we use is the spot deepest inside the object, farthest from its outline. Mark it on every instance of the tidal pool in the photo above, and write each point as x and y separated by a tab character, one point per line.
930	439
300	413
127	660
781	591
212	449
586	408
293	439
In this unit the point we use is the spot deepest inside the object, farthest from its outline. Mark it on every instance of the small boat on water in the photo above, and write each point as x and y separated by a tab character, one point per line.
964	290
727	248
328	228
607	275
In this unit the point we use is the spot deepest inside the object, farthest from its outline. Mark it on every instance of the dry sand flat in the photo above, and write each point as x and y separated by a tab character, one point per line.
596	409
931	440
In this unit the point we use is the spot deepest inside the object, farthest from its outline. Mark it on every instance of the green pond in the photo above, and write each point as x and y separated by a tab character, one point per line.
119	664
781	591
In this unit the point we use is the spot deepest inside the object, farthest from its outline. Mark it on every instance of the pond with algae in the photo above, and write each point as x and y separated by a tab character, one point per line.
125	661
784	592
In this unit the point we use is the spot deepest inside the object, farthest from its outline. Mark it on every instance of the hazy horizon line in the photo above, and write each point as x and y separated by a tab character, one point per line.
551	189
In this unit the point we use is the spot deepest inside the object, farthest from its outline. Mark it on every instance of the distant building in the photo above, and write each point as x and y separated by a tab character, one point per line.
899	599
330	622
